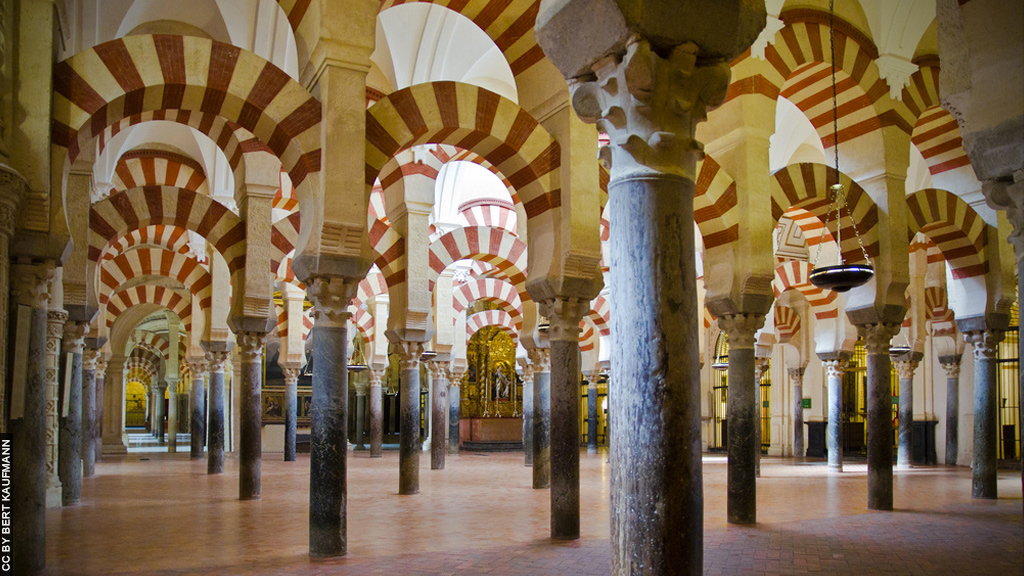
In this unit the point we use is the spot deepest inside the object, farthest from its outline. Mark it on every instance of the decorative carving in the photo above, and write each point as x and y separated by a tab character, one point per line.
90	359
217	359
797	375
198	366
409	354
541	360
985	342
877	337
457	374
291	374
29	283
251	345
650	106
376	378
835	368
565	316
741	329
905	369
760	365
331	298
74	336
952	369
439	371
55	320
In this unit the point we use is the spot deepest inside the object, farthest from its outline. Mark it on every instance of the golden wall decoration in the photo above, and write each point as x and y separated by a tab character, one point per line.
491	388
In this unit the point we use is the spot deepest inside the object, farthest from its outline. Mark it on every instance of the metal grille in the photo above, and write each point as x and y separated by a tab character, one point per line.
766	409
1008	382
720	395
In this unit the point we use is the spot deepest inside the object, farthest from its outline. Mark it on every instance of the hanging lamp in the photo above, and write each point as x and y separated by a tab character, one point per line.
843	276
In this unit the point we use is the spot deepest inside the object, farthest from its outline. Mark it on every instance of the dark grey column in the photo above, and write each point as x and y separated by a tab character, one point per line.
986	434
159	425
439	420
250	448
741	504
328	475
376	414
905	368
454	397
197	406
760	365
70	439
217	354
564	316
541	359
361	390
834	365
528	412
28	418
796	375
89	358
101	379
877	338
592	413
951	364
409	419
291	408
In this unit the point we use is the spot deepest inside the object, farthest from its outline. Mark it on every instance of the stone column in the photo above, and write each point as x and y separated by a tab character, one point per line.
250	450
101	379
877	338
161	392
951	364
986	418
197	404
742	413
564	316
89	431
592	412
905	368
834	368
291	408
28	419
11	189
454	397
153	389
217	354
796	375
361	390
409	419
541	360
115	441
760	366
172	414
528	412
55	320
70	439
439	421
376	413
328	489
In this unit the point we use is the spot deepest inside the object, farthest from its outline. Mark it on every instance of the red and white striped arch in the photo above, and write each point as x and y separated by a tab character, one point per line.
363	321
171	238
389	252
284	234
372	285
490	212
176	301
491	245
588	335
156	262
787	323
937	136
936	307
282	323
474	119
147	167
600	315
793	274
499	318
492	290
285	198
957	230
138	371
805	186
714	204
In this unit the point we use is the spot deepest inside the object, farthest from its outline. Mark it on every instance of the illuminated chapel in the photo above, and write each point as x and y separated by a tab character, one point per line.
511	286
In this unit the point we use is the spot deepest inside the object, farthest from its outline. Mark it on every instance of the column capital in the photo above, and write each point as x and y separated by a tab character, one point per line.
797	374
564	316
835	368
439	369
91	359
528	370
455	380
376	378
906	368
55	321
952	368
74	336
878	336
741	329
217	358
330	297
12	187
985	342
198	365
29	283
409	354
760	365
251	345
540	358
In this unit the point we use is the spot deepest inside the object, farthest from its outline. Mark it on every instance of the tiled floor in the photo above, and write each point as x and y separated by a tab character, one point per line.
162	514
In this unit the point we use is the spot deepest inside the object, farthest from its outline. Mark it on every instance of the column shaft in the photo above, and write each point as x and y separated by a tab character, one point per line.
528	415
952	367
986	417
834	427
454	396
376	415
905	434
409	423
197	406
215	453
250	348
879	431
439	420
742	443
55	320
565	434
291	410
541	358
70	441
328	479
98	423
797	376
592	418
89	413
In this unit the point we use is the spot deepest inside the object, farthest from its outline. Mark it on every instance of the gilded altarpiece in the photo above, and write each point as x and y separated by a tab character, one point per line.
491	388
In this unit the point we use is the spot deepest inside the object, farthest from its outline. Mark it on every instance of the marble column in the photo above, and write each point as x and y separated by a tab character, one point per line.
28	418
454	397
197	406
409	419
115	441
592	413
439	421
376	413
528	412
564	316
217	354
172	414
951	364
834	369
905	368
741	503
90	356
161	396
541	360
251	345
153	390
986	417
98	423
291	407
55	320
361	390
877	341
796	376
70	439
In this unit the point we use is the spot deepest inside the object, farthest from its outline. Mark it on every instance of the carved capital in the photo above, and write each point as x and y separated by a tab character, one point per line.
409	354
877	337
198	366
251	345
541	360
217	359
457	374
985	342
90	359
376	378
952	369
330	298
797	375
760	365
835	368
439	370
74	336
101	367
741	329
905	369
29	284
564	316
528	371
291	375
55	320
650	106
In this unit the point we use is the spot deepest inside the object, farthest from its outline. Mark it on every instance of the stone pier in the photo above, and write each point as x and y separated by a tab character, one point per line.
743	393
951	365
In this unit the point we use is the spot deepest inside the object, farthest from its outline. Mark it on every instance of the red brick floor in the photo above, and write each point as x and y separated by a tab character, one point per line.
165	515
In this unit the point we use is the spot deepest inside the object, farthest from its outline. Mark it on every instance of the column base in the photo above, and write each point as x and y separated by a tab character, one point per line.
54	496
115	449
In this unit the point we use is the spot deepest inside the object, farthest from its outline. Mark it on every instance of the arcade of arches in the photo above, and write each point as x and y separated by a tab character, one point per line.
277	237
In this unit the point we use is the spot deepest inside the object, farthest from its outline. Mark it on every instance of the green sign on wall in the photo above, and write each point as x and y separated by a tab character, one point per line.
806	403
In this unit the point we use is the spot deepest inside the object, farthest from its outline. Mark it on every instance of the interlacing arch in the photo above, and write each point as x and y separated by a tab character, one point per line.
144	167
787	323
793	274
805	186
499	318
492	245
158	343
156	262
588	335
284	235
600	315
176	301
491	290
173	238
714	204
937	136
957	230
